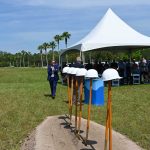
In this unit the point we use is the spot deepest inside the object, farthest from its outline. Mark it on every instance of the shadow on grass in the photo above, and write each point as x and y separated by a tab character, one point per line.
66	101
47	95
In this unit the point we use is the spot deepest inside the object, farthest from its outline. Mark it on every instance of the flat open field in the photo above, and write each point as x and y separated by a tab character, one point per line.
25	102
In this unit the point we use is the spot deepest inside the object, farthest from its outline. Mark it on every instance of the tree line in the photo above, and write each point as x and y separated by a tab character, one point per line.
49	51
24	58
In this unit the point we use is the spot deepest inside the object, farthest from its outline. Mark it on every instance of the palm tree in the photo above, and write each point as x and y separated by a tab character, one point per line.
10	56
45	46
52	45
23	55
20	60
66	36
28	54
40	48
58	38
16	59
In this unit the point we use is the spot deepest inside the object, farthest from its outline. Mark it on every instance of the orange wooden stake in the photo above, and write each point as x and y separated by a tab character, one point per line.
71	95
80	109
89	111
76	104
110	117
108	120
68	82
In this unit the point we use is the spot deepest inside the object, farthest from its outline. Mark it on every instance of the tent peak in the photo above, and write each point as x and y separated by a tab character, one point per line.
110	13
109	10
111	31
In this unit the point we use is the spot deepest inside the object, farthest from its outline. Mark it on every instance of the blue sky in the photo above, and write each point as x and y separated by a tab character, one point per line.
25	24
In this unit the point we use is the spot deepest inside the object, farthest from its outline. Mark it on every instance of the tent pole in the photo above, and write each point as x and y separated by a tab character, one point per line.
80	54
129	54
82	57
90	57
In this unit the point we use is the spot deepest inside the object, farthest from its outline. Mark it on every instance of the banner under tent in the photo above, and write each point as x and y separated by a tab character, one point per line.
111	33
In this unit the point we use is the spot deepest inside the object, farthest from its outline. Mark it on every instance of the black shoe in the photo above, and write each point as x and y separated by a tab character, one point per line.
53	97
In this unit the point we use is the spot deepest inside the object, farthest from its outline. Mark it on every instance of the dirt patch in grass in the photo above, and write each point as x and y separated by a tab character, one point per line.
55	134
29	142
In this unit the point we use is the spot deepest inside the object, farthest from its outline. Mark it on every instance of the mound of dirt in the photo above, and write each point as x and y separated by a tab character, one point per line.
54	133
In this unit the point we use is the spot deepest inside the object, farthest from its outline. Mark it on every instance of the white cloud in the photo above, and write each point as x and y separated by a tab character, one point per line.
79	3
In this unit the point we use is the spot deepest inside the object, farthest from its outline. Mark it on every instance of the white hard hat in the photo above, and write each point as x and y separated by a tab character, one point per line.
91	73
70	70
65	69
110	74
74	71
81	72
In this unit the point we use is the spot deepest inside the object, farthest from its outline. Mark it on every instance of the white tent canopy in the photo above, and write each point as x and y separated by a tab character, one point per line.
111	31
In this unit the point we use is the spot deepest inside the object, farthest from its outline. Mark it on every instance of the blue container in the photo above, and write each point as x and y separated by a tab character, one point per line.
97	92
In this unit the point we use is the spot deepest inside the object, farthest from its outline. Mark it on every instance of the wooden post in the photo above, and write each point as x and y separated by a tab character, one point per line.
80	109
108	120
106	129
110	116
89	111
71	95
68	82
76	104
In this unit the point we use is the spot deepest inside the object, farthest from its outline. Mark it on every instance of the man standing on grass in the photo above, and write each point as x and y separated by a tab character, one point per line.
78	64
53	77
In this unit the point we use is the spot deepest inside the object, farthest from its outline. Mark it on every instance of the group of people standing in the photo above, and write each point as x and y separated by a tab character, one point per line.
125	69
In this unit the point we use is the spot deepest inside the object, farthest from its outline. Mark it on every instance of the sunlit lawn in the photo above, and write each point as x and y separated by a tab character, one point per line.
24	104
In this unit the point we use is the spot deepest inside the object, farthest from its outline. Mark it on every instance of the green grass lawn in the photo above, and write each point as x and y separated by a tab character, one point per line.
24	104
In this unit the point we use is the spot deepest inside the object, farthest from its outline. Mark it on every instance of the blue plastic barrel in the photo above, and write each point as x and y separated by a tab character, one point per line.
97	91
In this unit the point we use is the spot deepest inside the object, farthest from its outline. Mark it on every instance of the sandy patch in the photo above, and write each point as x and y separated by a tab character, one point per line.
55	134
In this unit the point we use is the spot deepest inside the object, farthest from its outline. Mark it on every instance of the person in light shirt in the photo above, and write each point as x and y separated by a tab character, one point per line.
53	77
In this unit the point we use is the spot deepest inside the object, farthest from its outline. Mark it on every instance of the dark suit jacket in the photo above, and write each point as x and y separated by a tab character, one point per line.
56	69
77	65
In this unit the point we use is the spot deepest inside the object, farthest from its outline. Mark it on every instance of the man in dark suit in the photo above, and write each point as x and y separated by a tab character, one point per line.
53	77
78	63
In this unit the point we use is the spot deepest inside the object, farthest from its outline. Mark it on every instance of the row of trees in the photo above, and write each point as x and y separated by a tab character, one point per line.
52	45
24	58
27	59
